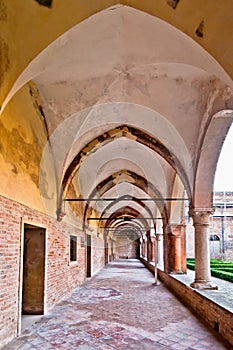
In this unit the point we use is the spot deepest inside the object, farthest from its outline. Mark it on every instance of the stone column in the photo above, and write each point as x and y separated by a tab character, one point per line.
141	248
202	255
166	248
178	248
159	237
153	249
145	249
148	247
156	282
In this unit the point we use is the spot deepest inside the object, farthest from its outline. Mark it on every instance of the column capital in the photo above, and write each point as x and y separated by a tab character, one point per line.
173	225
201	215
201	211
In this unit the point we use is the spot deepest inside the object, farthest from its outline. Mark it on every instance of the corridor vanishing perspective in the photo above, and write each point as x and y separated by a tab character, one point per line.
121	309
112	118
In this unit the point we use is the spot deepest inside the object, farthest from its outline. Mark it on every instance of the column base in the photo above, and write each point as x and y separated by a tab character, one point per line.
156	283
202	285
177	272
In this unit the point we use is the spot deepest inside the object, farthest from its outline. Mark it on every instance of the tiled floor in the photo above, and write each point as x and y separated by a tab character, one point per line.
119	308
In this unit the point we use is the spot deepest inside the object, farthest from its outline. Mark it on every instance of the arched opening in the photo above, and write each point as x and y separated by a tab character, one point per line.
222	223
112	121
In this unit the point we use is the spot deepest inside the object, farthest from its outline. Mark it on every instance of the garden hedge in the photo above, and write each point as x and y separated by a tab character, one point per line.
219	268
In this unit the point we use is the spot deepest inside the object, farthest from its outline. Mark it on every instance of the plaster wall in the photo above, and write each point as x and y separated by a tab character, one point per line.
23	136
97	254
126	249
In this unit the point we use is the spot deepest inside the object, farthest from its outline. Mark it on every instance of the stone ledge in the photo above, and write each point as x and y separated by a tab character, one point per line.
215	315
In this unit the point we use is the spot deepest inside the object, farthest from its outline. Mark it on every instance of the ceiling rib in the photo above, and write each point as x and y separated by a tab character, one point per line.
125	218
122	199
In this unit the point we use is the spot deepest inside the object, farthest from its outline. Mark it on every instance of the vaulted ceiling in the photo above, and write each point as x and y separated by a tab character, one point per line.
136	99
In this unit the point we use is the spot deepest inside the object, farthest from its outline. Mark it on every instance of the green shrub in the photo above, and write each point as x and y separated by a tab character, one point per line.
191	265
216	260
219	268
222	274
226	269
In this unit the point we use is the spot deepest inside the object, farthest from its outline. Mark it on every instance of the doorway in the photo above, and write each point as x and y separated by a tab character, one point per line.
33	270
106	251
88	255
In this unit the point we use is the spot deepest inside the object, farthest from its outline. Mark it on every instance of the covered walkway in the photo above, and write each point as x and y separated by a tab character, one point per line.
112	118
119	308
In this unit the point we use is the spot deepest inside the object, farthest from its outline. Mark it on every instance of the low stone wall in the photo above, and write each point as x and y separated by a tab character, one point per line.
219	318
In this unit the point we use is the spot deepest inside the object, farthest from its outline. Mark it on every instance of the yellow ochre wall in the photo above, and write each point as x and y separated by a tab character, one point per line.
22	139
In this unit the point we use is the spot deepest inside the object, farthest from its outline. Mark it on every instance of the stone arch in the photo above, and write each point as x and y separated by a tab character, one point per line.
139	182
127	132
207	162
134	199
38	63
126	211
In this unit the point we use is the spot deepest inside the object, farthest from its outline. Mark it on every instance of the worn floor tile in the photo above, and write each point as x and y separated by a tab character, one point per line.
119	308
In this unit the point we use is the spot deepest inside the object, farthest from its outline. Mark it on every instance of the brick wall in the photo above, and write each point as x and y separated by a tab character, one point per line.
126	248
223	228
62	276
213	314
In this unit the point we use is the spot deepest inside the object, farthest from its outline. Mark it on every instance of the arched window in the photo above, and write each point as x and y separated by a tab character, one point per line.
214	238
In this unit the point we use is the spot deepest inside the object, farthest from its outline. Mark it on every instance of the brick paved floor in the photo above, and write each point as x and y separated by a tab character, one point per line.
119	308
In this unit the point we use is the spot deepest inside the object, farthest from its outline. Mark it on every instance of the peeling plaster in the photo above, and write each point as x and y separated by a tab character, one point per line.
23	156
200	30
4	59
46	3
139	182
122	131
173	3
22	138
3	11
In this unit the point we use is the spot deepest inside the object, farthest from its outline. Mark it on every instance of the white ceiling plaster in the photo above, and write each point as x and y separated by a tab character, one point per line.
122	189
164	80
113	40
101	118
120	205
91	172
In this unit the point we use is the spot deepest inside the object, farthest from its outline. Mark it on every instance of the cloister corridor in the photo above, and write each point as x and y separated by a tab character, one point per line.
113	115
119	308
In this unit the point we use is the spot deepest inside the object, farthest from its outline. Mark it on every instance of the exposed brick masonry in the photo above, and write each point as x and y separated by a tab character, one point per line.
61	276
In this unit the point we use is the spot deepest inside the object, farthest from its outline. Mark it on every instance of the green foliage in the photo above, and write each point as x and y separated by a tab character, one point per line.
219	268
226	269
191	264
228	276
